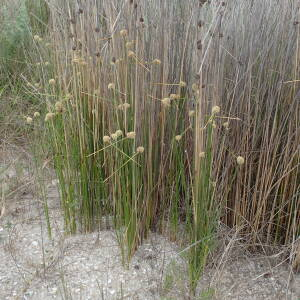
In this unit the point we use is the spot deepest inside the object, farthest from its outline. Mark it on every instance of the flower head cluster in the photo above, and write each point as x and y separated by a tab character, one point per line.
49	116
106	139
240	160
130	135
215	110
59	107
140	149
178	138
166	102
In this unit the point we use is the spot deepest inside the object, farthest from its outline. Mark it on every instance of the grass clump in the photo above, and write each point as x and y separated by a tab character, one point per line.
183	118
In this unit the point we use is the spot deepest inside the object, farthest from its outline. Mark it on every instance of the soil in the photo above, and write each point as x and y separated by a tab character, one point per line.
89	266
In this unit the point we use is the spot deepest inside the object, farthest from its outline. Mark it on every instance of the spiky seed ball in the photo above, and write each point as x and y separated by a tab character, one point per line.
182	84
131	54
178	138
106	139
29	120
36	38
166	102
129	45
111	86
240	160
195	87
126	105
156	61
202	154
68	96
226	125
49	116
114	136
140	149
119	133
174	96
191	113
131	135
215	110
214	125
59	107
36	114
123	32
52	81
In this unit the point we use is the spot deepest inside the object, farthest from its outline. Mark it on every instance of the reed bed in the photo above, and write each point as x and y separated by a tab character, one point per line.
174	114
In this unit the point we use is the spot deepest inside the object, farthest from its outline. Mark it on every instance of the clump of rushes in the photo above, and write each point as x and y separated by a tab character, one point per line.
152	91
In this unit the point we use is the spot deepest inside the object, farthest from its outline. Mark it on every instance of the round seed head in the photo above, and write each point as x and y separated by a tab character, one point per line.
123	32
156	61
131	54
131	135
106	139
36	114
202	154
129	44
182	84
68	96
240	160
226	125
114	136
59	107
191	113
47	63
140	149
126	105
178	138
29	120
36	38
166	102
119	133
111	86
214	125
49	116
174	96
195	87
52	81
215	110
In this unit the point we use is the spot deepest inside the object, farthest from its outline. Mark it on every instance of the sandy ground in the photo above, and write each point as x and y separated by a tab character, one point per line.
90	266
